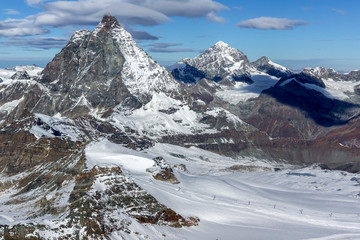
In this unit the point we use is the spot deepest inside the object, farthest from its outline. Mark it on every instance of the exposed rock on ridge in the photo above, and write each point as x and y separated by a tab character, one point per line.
218	62
264	64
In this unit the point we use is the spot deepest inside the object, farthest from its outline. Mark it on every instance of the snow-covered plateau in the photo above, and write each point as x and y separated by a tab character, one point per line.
299	203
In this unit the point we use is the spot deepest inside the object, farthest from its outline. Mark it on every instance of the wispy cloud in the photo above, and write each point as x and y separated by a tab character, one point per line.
39	43
325	40
142	35
308	8
35	2
168	48
213	18
266	23
21	27
339	11
10	11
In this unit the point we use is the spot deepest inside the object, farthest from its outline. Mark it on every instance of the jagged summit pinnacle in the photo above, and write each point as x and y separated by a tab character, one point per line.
108	22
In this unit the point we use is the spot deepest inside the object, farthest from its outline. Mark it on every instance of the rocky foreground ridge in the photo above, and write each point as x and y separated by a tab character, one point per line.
103	88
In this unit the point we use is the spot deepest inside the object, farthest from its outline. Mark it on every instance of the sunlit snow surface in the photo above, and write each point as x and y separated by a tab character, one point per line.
152	119
304	203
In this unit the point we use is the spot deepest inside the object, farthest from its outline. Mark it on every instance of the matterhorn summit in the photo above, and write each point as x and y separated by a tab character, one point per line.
103	68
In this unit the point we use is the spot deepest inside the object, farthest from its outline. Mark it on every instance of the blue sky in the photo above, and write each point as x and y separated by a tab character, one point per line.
294	33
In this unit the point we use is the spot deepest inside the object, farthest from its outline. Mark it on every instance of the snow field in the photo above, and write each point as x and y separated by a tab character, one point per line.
243	91
298	204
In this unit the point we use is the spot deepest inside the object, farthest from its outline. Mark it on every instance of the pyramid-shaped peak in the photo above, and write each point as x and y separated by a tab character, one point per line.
264	58
262	61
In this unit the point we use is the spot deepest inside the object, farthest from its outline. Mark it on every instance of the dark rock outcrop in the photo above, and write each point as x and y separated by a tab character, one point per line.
188	74
21	75
265	65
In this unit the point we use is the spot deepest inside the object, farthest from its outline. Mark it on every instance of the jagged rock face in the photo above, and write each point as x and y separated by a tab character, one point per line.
96	72
21	151
218	62
48	176
264	64
103	68
87	72
353	76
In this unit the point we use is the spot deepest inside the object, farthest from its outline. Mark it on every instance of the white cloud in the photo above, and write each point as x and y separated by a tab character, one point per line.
35	2
20	27
11	11
265	23
342	12
212	17
168	48
128	12
40	42
187	8
87	12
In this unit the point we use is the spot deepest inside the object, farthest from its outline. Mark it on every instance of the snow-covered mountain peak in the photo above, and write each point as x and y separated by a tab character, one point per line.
220	61
225	51
221	44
